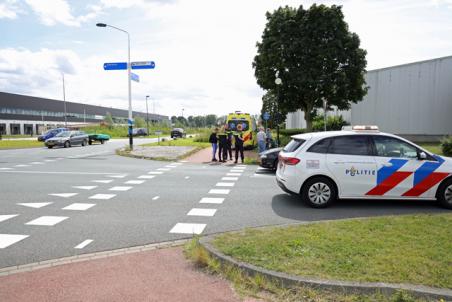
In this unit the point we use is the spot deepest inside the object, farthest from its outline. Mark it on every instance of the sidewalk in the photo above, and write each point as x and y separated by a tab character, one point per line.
156	275
205	157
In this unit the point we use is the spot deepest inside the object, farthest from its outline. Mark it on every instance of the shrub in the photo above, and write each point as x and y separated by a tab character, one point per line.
332	123
290	132
446	145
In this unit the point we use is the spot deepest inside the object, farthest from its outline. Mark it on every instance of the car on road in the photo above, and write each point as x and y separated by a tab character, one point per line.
362	163
67	139
139	132
102	138
50	133
178	132
269	158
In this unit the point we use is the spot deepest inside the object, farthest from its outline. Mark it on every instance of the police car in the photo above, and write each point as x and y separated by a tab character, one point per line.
362	163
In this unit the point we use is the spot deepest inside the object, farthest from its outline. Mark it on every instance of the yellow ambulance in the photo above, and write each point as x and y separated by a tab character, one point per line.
244	121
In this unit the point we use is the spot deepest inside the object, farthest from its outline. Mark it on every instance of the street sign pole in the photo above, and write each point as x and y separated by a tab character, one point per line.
130	93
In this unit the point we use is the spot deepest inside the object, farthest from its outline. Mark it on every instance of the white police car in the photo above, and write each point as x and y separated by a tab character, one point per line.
362	163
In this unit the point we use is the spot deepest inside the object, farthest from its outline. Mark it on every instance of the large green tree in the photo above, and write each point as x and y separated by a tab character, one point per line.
270	105
315	55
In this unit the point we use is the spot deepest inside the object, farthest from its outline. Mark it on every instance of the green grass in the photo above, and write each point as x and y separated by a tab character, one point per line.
180	142
432	147
406	249
17	136
20	144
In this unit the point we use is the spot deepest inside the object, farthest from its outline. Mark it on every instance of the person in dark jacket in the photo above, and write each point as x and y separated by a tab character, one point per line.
214	141
229	138
238	136
222	145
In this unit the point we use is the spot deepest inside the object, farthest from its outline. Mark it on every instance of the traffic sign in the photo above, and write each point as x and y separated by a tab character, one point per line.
143	65
134	77
115	66
130	122
266	116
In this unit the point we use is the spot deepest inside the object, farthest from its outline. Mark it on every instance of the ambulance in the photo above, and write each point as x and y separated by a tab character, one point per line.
247	124
362	163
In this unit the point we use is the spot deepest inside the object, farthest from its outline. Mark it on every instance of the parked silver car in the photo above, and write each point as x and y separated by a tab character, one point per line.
67	139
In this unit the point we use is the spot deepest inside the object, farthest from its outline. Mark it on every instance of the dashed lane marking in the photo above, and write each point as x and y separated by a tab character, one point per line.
119	188
146	176
201	212
64	195
211	200
9	239
84	187
134	182
47	220
117	176
21	166
230	178
225	184
49	160
188	228
171	166
83	244
79	206
155	197
36	163
6	168
234	174
187	177
163	169
102	196
35	205
103	181
236	171
219	191
155	172
6	217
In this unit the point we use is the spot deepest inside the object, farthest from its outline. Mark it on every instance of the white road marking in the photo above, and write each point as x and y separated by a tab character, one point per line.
119	188
103	181
102	196
36	163
84	187
64	195
183	161
6	168
49	160
219	191
211	200
117	176
225	184
20	166
79	206
234	174
6	217
236	171
230	178
263	175
156	197
188	228
35	205
241	166
155	172
187	177
83	244
47	220
134	182
170	166
146	176
201	212
9	239
163	169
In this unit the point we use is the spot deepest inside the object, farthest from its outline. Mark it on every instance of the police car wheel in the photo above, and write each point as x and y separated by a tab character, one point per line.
444	194
319	192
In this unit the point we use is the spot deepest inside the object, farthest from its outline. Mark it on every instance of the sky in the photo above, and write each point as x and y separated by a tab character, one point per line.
203	49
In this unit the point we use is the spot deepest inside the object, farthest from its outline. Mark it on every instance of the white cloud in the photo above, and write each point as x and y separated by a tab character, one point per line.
9	9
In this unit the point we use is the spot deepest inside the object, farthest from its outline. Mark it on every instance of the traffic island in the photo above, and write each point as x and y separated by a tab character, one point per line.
403	258
166	153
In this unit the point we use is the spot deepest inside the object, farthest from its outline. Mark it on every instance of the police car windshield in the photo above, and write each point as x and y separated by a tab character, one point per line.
293	145
234	125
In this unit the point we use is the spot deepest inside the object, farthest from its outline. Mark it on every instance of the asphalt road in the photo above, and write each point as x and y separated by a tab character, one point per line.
111	202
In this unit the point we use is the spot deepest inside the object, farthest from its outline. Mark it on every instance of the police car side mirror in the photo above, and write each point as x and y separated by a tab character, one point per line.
422	156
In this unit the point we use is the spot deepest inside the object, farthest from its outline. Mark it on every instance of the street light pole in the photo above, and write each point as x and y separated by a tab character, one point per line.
130	119
147	114
64	100
278	82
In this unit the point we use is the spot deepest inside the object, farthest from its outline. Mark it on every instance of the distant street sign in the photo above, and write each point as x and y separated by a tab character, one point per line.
115	66
143	65
130	122
134	77
266	116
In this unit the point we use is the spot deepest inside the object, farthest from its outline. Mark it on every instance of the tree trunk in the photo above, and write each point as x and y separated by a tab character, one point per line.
308	119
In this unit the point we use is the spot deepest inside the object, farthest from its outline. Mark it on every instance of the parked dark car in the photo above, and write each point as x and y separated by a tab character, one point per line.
139	132
178	132
269	158
67	139
50	133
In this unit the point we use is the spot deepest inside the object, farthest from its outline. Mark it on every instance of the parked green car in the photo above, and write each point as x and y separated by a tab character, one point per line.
102	138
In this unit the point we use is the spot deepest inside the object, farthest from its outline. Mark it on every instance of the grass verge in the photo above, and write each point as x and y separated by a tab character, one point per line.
180	142
405	249
260	287
20	144
432	147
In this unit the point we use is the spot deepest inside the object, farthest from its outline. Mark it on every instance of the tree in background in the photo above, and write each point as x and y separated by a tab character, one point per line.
270	105
211	120
108	120
315	55
139	122
173	119
199	121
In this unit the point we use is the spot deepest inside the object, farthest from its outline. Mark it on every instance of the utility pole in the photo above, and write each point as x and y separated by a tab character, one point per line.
147	114
64	100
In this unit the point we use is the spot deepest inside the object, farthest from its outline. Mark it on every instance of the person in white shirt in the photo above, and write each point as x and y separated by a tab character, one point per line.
261	140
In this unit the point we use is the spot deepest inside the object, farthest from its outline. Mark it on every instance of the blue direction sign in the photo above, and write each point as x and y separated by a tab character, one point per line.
115	66
266	116
134	77
143	65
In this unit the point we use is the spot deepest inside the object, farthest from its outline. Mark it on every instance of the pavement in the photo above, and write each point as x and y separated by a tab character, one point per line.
58	203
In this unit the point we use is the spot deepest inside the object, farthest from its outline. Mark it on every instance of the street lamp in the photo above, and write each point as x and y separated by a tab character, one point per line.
278	82
64	100
147	113
130	119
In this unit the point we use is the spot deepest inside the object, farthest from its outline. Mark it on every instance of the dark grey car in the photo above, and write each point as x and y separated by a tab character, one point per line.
67	139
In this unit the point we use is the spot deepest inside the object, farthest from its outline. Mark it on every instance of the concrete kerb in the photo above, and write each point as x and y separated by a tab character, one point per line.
91	256
348	287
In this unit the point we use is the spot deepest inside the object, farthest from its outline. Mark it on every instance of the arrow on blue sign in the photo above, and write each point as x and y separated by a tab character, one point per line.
133	65
115	66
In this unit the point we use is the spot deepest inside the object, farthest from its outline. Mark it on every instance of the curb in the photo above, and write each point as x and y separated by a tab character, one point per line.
348	287
10	270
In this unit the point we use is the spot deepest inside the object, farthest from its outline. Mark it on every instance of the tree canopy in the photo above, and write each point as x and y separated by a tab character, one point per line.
315	55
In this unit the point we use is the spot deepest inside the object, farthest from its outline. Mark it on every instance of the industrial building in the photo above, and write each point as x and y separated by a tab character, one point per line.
412	100
26	115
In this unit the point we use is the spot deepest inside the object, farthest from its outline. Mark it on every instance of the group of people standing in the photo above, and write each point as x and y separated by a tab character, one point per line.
264	139
221	140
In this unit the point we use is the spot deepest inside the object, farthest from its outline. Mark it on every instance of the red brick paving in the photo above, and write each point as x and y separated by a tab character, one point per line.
205	157
158	275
